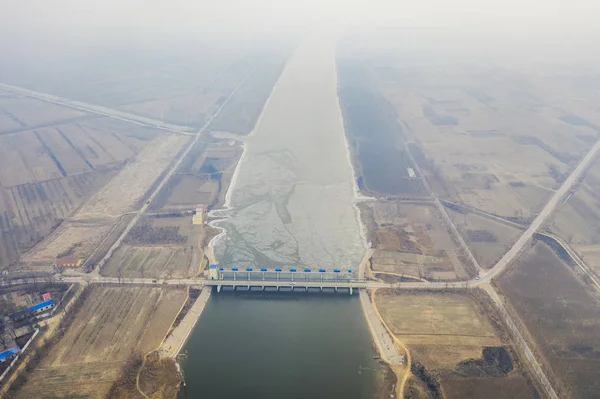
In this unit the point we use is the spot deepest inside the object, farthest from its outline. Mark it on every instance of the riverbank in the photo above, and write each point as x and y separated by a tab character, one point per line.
401	366
176	340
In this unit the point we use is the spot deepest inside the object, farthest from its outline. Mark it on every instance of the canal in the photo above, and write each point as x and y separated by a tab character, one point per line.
291	204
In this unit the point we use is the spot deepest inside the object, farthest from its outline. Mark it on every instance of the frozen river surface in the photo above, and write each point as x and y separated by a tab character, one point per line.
292	200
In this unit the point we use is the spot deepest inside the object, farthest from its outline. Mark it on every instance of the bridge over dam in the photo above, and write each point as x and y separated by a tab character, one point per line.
288	285
279	279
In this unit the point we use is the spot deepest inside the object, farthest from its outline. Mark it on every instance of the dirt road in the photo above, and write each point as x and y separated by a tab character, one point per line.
443	212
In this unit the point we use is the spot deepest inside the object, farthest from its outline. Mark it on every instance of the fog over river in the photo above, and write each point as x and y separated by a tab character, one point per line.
291	201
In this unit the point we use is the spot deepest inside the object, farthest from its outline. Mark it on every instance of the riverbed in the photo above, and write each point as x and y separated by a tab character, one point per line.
292	199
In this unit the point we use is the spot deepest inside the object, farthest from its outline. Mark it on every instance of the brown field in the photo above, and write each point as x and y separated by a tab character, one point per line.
109	239
194	107
448	334
189	109
160	247
151	230
487	239
25	112
412	240
192	190
132	182
202	178
30	211
240	114
495	139
561	316
76	239
89	225
49	169
509	387
100	147
151	262
577	220
113	323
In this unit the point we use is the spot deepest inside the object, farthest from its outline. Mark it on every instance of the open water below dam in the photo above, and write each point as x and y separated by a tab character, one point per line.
291	204
281	345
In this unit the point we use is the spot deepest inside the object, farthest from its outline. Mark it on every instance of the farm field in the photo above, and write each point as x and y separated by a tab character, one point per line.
487	239
126	189
147	71
202	178
52	165
577	220
20	113
560	314
180	83
71	238
151	262
113	323
495	138
411	240
240	115
160	247
194	108
454	338
91	222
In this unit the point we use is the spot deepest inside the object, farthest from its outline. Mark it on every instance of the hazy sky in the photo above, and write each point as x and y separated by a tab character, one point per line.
552	30
274	15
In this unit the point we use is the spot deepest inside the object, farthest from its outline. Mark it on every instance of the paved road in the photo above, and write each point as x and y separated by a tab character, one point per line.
204	282
544	214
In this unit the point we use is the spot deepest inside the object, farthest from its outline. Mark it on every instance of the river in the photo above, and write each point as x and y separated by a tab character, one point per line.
273	346
291	204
